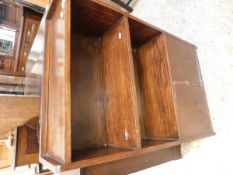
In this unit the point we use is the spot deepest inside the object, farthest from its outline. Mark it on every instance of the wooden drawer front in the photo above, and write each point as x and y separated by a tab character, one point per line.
115	88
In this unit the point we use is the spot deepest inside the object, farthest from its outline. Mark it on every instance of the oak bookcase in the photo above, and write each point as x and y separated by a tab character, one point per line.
119	95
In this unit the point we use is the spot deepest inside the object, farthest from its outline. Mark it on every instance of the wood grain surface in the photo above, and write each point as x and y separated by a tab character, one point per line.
134	164
56	113
121	110
27	147
108	93
87	89
192	111
17	110
158	107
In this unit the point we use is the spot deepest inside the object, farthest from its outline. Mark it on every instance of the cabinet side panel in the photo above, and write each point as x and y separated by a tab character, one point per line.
56	93
159	112
121	109
190	100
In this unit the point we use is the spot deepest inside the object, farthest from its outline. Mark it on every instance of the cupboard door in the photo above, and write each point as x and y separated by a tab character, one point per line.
189	94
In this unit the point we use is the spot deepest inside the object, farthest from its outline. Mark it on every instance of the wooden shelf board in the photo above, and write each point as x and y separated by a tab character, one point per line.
91	153
102	155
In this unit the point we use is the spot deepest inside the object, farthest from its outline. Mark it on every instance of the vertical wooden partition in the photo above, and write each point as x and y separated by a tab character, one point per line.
153	82
104	110
157	97
121	113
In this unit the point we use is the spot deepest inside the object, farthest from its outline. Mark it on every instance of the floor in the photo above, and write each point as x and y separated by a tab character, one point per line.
209	25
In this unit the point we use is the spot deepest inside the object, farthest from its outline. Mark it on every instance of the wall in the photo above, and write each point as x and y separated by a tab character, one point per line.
209	25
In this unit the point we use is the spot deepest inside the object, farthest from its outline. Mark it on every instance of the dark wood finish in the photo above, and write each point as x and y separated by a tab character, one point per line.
133	164
113	154
87	18
30	27
94	108
33	123
121	110
191	104
87	93
192	112
27	147
141	33
108	91
94	153
158	108
183	62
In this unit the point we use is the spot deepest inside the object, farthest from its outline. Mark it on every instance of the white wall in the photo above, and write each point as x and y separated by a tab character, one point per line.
209	25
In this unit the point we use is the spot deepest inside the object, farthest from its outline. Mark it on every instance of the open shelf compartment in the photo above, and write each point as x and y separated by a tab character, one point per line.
112	97
153	84
104	117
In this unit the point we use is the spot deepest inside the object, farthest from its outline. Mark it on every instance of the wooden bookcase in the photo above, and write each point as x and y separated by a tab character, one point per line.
116	90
